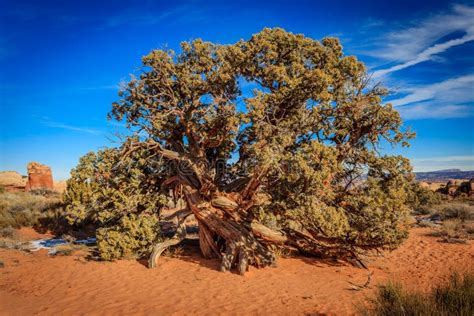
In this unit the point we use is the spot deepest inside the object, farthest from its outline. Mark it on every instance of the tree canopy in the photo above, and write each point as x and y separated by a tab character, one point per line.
294	163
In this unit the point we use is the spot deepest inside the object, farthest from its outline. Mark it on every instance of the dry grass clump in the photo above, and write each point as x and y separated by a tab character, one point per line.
173	252
457	222
24	209
461	211
70	249
454	298
448	210
455	231
13	242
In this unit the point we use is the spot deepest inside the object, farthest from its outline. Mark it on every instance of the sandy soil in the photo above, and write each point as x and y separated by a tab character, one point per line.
66	285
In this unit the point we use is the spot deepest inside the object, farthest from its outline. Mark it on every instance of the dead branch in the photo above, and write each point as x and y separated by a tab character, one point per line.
357	287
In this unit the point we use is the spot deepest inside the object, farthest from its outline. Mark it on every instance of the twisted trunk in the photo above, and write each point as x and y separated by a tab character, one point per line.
228	233
238	246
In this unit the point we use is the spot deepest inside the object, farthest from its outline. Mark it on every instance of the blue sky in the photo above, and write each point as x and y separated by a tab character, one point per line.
62	62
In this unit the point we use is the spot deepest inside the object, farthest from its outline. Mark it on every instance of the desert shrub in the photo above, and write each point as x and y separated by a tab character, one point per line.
454	231
8	232
25	209
460	211
133	235
451	228
454	298
120	199
420	199
45	193
424	210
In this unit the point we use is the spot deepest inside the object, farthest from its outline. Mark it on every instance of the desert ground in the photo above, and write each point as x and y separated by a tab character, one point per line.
36	283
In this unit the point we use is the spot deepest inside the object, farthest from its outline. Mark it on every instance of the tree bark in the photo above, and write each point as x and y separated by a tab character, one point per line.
176	239
227	232
241	245
207	244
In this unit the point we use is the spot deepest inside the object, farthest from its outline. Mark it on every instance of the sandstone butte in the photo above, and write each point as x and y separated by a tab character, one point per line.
39	177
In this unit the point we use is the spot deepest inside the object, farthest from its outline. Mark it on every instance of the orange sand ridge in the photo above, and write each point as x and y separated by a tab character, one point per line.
66	285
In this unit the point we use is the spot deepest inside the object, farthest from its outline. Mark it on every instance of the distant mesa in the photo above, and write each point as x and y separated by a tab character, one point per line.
448	170
39	177
444	175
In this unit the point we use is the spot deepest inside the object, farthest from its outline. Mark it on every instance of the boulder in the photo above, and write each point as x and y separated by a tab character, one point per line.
39	177
452	190
424	185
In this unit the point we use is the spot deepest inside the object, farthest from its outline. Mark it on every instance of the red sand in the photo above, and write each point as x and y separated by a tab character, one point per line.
38	284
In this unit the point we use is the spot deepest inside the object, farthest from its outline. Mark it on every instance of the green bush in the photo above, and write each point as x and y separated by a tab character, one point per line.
421	199
133	236
120	199
454	298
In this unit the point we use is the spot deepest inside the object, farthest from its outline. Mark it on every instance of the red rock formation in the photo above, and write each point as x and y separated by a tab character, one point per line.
39	177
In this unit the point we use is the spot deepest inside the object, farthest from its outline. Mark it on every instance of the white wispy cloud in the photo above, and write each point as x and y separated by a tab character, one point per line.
86	130
427	54
459	90
445	99
417	44
445	158
428	111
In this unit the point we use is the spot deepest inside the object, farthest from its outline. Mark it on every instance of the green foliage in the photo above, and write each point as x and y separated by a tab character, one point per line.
420	198
311	129
454	298
120	197
133	235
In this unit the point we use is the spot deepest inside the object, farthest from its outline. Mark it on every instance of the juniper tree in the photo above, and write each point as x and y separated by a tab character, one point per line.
279	167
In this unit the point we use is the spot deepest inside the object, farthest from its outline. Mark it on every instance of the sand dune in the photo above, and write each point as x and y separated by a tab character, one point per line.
38	284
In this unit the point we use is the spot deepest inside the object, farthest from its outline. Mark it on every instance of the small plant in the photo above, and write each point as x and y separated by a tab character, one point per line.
454	298
45	193
7	232
68	249
452	228
174	252
282	252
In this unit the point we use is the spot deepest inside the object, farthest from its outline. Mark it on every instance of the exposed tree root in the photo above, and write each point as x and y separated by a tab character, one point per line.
357	287
225	233
176	239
